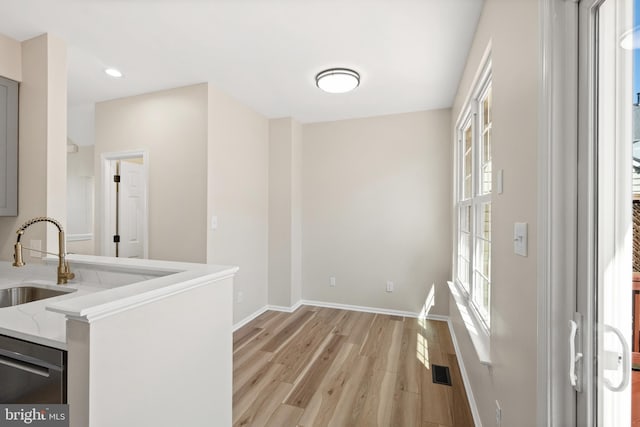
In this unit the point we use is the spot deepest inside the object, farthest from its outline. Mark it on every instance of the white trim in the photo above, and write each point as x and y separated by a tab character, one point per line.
79	237
481	74
556	216
480	339
94	306
364	309
349	307
285	309
106	160
465	377
249	318
470	118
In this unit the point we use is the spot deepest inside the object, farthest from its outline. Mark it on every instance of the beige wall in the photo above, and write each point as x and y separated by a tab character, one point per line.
375	207
81	164
172	126
512	28
284	212
42	141
238	174
10	58
296	211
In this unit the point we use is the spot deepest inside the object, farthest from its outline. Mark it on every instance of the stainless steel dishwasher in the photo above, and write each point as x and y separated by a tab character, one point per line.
31	373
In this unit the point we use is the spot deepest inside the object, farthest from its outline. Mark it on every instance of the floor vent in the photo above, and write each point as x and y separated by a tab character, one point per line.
440	374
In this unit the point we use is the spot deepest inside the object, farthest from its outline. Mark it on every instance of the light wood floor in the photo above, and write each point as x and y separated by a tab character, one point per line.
321	366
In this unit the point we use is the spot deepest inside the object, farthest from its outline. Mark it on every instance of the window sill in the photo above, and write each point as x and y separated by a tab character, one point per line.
479	336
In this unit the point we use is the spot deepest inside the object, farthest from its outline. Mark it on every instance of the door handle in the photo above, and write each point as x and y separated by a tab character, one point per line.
626	361
574	356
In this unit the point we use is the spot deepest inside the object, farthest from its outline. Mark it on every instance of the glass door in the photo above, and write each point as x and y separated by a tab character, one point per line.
604	291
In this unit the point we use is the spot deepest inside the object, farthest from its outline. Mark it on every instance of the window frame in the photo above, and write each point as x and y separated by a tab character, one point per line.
471	114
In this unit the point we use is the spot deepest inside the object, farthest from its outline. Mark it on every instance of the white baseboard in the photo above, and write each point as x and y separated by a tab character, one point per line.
374	310
465	377
249	318
284	308
440	317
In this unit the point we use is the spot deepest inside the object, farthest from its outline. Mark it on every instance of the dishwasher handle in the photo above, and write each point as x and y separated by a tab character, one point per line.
24	366
27	363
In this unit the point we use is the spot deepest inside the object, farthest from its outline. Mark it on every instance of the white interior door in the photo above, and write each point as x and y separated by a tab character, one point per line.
604	210
132	210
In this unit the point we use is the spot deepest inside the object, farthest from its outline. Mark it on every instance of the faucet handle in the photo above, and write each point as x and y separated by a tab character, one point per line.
17	255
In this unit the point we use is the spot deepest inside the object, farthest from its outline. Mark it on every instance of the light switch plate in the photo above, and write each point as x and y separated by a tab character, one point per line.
520	238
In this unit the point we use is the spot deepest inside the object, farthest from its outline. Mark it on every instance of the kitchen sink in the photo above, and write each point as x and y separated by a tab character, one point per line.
28	293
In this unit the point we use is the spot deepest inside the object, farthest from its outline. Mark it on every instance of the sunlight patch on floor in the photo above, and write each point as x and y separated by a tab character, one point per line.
422	350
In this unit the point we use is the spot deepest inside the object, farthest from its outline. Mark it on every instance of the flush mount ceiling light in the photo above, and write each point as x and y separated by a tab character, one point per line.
113	72
337	80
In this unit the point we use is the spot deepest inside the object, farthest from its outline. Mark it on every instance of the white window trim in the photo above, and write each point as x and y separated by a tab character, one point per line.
478	330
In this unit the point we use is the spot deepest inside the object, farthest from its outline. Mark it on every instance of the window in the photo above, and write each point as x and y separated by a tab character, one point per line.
473	200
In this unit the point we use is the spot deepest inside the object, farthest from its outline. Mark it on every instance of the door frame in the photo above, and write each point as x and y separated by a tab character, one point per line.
558	202
107	162
557	208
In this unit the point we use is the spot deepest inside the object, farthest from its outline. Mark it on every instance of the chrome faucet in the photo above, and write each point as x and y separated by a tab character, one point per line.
64	273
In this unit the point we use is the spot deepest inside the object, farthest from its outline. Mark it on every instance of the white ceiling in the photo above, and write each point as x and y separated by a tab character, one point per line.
265	53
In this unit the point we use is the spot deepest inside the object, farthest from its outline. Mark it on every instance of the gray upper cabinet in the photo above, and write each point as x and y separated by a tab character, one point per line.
8	147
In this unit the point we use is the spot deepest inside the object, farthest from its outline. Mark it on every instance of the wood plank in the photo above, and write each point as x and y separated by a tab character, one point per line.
407	411
249	368
251	347
410	360
259	321
429	329
377	336
332	315
360	329
290	329
355	389
345	323
299	351
379	404
247	394
388	355
444	338
243	336
265	404
436	401
285	415
323	403
460	405
308	385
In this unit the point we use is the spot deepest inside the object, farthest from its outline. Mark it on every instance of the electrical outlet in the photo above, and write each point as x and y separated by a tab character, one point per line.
389	286
240	297
332	282
498	414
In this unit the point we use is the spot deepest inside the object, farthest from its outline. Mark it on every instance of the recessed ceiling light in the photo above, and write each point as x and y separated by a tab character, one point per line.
338	80
113	72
